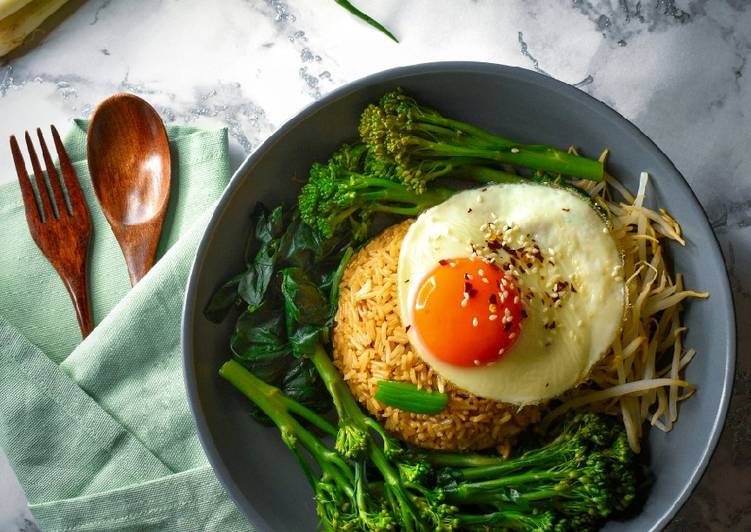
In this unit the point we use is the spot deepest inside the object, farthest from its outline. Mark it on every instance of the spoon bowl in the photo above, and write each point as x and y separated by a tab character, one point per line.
129	162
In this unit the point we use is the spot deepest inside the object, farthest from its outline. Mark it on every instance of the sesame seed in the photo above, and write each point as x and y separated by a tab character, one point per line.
516	300
514	150
493	317
481	272
464	302
512	335
605	230
485	280
476	362
501	351
475	322
452	264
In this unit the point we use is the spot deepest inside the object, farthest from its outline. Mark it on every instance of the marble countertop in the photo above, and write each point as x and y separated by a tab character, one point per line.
676	68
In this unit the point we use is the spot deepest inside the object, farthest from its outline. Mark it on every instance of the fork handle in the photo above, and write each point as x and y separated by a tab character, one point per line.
76	286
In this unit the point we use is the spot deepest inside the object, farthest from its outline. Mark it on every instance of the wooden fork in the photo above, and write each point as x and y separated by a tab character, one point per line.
61	230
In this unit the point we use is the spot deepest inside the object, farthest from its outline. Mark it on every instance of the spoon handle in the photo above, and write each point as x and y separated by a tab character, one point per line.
138	243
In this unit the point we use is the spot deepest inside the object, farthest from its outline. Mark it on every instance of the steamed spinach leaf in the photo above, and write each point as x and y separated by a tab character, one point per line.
223	300
272	237
289	291
304	304
260	343
303	384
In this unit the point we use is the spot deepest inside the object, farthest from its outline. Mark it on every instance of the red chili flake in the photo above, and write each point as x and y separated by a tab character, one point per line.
551	262
469	210
550	325
494	245
484	189
443	262
471	292
466	277
523	313
493	299
511	251
566	209
560	285
573	288
507	326
407	328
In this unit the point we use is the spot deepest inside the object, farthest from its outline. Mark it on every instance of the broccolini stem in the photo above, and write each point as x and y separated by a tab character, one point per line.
485	174
344	403
550	160
401	194
428	116
409	513
513	480
461	460
308	415
506	519
540	458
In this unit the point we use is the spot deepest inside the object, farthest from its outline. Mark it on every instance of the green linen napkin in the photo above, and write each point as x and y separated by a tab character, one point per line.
99	431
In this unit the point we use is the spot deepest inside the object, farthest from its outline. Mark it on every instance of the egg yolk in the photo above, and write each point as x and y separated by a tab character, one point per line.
467	312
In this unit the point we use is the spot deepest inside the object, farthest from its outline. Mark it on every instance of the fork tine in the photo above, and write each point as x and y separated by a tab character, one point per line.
53	177
41	185
27	192
77	201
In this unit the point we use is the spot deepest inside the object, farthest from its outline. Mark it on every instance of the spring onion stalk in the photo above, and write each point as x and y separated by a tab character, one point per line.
346	4
406	396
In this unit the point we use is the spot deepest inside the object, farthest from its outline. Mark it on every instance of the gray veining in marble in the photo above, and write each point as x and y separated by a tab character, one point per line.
677	68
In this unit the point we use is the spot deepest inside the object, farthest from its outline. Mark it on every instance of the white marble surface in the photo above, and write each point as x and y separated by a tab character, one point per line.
677	68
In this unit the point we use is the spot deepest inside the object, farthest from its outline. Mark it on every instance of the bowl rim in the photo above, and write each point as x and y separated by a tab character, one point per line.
393	75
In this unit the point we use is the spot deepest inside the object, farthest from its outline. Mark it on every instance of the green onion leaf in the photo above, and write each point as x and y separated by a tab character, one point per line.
406	396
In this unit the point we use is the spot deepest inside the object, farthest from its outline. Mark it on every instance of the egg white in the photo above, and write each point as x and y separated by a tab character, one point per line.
544	362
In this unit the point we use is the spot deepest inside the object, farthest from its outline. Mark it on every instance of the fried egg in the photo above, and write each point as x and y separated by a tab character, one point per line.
512	292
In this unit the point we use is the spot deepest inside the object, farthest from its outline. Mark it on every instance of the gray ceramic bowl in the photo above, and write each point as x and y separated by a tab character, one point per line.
258	471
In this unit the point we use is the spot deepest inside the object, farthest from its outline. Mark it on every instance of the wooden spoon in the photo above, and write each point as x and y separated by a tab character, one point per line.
129	162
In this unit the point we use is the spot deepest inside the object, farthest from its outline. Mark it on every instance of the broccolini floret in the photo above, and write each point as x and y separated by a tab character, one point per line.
338	197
